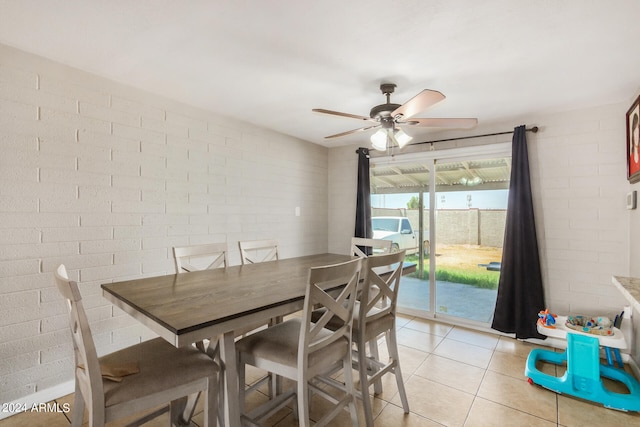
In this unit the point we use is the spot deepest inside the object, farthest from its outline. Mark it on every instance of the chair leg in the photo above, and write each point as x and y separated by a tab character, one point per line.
96	414
392	346
241	384
303	402
348	380
275	381
211	406
177	409
78	409
375	354
274	384
363	371
213	351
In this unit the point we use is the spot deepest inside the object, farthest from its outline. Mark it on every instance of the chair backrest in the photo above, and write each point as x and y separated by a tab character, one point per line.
379	294
337	308
360	246
185	255
87	367
255	251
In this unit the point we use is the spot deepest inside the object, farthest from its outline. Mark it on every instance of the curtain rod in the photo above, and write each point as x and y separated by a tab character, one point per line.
533	129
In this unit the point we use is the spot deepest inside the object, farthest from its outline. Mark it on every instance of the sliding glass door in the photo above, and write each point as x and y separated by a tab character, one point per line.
456	204
469	218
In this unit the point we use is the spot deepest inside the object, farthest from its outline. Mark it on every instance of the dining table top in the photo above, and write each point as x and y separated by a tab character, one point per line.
187	302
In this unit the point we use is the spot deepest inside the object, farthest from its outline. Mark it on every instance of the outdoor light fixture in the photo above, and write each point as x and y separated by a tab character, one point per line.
471	182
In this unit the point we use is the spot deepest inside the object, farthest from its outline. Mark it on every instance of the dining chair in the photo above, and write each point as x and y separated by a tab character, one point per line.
303	350
217	254
214	255
137	378
364	247
255	251
375	315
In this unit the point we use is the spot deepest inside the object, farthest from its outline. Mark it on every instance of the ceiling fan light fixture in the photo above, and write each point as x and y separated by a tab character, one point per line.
401	138
379	140
389	137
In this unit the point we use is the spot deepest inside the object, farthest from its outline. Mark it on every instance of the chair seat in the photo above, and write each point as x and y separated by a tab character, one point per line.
374	327
279	344
162	367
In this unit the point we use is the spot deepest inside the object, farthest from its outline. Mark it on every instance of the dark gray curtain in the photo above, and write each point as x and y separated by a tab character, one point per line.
520	292
363	201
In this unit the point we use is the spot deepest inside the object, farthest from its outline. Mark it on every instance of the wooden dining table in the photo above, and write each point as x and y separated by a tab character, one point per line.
191	307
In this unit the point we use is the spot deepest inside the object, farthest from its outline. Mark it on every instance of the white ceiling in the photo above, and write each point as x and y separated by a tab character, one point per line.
269	62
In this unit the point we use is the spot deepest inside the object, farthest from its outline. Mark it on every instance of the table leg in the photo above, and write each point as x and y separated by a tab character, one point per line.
190	408
230	375
179	412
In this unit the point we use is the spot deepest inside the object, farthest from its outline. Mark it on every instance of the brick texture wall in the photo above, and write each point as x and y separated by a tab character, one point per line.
107	179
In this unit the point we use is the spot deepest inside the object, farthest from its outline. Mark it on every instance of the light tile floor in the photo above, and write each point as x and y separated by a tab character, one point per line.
454	377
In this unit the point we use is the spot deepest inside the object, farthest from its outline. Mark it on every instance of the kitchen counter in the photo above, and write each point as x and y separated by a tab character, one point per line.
630	288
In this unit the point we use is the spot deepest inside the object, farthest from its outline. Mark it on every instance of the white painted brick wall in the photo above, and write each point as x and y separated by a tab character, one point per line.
580	174
106	179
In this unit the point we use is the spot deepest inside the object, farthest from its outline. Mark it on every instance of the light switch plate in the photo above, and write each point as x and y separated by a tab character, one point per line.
632	199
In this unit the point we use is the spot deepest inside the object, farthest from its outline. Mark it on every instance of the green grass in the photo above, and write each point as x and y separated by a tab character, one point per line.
480	279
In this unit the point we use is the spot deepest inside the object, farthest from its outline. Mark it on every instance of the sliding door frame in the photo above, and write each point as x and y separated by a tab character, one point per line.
430	159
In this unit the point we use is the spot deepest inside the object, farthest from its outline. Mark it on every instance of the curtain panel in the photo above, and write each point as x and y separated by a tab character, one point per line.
363	197
520	291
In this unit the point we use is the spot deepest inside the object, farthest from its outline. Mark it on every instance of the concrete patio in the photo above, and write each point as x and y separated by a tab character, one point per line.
453	299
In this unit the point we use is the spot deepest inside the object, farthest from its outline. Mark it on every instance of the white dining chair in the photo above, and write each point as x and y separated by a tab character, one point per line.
215	256
302	350
364	247
375	315
206	256
137	378
255	251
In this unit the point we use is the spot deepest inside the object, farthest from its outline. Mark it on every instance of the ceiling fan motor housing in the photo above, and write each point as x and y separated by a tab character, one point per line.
383	111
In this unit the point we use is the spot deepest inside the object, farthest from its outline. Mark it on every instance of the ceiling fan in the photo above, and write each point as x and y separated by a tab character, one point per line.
390	118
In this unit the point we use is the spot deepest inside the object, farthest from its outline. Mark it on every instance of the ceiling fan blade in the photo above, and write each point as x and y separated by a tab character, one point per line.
441	123
418	103
349	132
337	113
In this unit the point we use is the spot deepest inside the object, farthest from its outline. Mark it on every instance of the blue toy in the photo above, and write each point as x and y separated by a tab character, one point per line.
547	319
583	377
